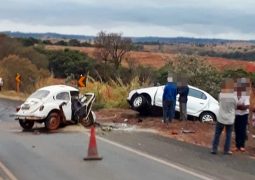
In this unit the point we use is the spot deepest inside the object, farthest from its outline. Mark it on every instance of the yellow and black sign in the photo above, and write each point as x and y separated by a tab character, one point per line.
18	80
82	81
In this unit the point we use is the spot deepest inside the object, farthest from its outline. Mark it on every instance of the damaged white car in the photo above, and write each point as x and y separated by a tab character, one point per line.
56	105
200	103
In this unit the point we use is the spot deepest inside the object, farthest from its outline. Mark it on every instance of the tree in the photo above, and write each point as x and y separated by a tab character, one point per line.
74	42
12	64
112	47
67	62
196	70
11	46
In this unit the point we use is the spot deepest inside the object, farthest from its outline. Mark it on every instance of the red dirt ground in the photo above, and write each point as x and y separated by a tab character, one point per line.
158	60
202	136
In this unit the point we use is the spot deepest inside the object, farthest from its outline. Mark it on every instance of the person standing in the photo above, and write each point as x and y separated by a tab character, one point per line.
183	91
169	100
242	113
226	116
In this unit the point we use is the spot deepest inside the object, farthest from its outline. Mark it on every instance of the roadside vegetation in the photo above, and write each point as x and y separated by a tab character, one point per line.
109	79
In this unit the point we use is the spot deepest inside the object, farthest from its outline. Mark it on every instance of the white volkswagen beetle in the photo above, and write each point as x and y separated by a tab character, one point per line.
200	104
56	105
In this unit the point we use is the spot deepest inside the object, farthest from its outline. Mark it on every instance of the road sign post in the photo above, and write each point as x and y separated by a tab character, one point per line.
18	80
81	81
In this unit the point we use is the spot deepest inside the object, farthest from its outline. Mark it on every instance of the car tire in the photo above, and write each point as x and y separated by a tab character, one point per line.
53	121
87	122
207	117
140	103
26	125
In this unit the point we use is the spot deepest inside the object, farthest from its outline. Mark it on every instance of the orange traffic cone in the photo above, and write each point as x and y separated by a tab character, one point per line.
92	149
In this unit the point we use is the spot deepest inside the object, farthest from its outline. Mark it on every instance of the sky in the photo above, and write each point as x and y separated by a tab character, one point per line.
227	19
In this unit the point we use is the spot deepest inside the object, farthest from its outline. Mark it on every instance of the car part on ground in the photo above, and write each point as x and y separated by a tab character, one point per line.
26	124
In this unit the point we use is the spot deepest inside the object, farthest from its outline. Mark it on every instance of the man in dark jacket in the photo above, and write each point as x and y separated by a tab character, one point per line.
169	100
183	91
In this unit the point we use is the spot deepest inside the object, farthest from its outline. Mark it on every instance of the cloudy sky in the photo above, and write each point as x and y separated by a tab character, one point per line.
231	19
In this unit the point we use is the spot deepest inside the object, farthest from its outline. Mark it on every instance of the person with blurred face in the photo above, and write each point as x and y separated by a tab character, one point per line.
226	116
183	91
242	113
169	100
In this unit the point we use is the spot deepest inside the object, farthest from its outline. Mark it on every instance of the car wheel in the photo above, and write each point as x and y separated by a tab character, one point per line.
53	121
140	103
26	125
86	122
207	117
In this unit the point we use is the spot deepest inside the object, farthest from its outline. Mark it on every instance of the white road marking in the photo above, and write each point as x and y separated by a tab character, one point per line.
7	172
161	161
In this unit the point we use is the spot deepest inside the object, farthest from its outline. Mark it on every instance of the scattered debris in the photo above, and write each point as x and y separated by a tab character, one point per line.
139	120
33	146
187	131
174	132
36	132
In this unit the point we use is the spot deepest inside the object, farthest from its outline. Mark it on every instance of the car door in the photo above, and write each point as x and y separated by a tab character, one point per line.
197	101
159	96
65	97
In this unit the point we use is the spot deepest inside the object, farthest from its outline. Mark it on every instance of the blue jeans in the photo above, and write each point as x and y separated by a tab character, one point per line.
168	110
218	130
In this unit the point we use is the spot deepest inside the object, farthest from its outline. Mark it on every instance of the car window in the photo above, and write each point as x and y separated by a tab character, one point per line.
63	96
197	94
40	94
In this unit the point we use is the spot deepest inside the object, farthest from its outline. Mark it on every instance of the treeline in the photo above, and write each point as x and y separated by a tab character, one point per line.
35	63
72	42
248	56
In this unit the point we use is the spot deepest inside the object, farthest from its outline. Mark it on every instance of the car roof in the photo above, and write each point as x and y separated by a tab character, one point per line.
59	88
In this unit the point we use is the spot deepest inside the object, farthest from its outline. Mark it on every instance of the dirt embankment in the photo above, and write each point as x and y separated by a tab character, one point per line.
193	132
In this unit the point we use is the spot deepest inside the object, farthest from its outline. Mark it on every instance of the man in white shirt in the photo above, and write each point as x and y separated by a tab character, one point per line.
226	116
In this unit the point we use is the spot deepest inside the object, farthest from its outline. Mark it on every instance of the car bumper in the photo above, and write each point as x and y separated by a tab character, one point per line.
26	117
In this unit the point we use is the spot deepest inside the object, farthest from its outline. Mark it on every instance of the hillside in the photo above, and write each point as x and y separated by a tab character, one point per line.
139	40
157	60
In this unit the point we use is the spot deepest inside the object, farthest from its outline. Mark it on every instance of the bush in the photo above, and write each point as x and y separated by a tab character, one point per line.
112	94
11	46
30	74
66	62
198	73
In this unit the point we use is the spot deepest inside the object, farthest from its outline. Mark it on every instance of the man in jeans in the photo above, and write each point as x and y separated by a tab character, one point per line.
169	100
226	116
183	91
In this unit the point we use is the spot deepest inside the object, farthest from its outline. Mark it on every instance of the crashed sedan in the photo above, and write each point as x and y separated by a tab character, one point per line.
56	105
200	103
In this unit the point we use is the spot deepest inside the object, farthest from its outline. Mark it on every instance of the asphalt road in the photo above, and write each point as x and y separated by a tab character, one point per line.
127	155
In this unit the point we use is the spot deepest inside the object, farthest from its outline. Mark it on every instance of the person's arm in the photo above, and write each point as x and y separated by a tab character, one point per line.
244	106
